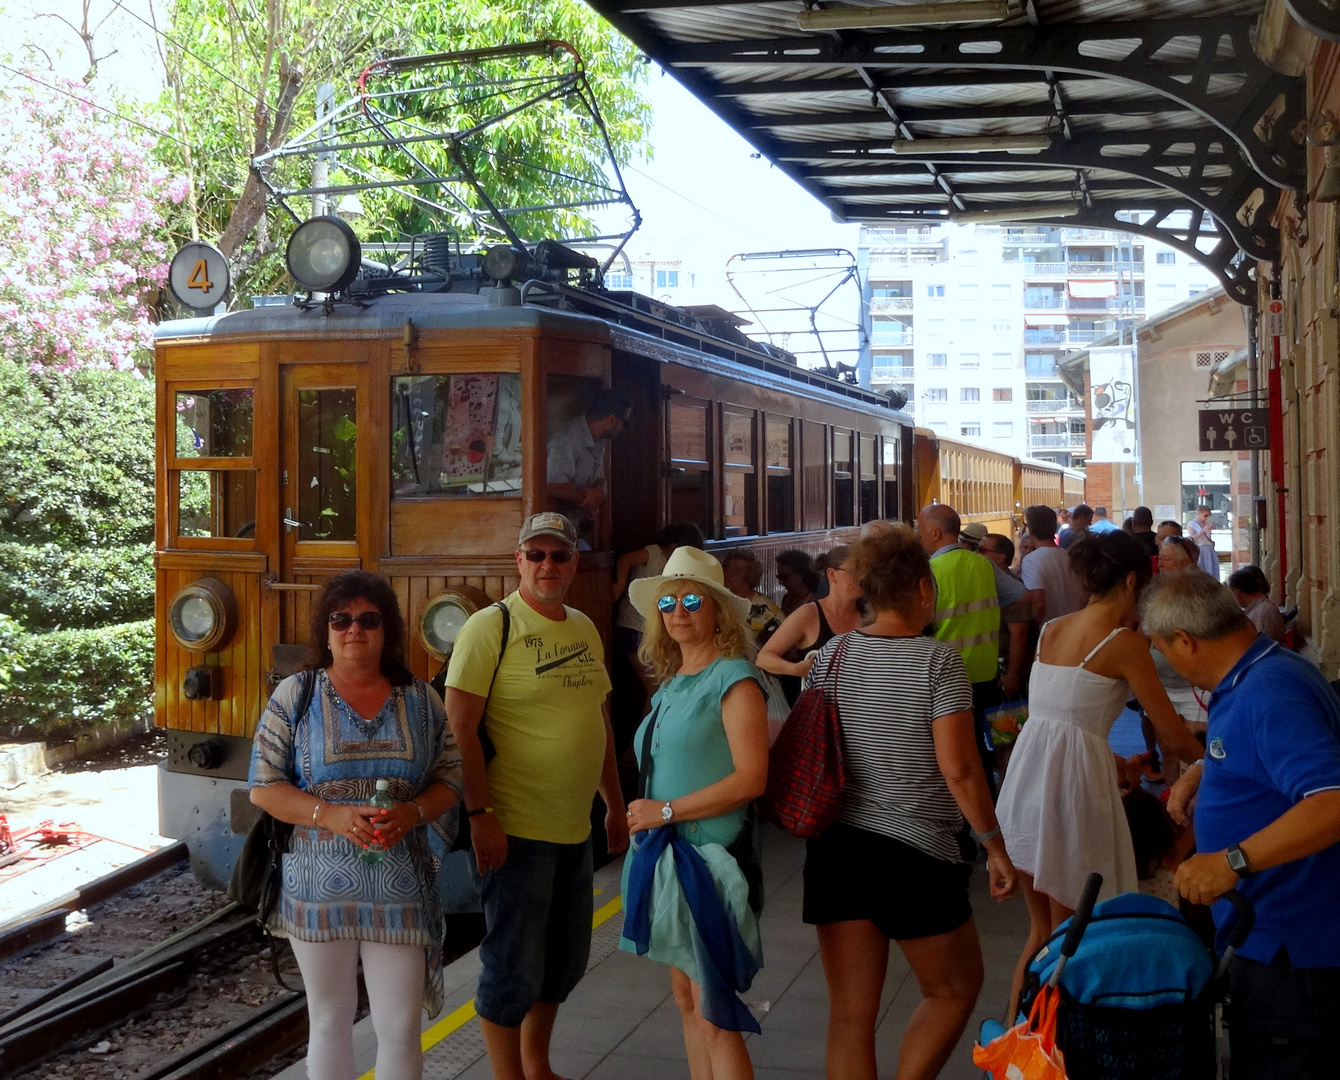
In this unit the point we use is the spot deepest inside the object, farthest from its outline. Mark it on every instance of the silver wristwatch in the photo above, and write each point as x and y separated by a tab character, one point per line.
667	813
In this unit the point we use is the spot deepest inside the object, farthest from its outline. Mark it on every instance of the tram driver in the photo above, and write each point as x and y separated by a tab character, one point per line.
576	458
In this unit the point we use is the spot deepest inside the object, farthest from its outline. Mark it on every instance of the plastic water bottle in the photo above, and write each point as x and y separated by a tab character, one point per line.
374	853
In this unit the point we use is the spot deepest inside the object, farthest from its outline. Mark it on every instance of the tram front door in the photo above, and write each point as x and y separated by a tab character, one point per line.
323	493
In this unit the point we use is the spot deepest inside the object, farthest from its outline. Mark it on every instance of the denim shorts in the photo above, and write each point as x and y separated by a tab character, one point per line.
537	910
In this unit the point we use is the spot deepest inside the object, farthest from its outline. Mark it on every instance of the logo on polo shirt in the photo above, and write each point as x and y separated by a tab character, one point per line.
1217	750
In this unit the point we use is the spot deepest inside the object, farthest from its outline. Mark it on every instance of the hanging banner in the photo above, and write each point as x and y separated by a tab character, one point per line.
1112	403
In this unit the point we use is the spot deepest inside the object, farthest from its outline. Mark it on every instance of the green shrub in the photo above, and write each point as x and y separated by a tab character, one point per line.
76	457
48	588
69	682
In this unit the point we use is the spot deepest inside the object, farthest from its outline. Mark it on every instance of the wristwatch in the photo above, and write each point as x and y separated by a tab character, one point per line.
667	812
1237	861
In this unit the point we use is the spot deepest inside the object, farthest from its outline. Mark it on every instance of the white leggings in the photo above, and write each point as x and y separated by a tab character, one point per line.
394	978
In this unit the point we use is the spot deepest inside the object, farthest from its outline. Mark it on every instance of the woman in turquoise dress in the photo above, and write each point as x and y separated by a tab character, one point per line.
703	753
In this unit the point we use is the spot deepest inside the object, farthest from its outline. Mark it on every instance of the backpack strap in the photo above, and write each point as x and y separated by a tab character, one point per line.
502	647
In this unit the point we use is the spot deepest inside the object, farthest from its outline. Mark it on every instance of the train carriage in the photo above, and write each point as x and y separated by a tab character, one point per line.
401	438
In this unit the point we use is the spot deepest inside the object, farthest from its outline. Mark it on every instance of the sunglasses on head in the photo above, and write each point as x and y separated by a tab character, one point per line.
367	620
691	601
537	555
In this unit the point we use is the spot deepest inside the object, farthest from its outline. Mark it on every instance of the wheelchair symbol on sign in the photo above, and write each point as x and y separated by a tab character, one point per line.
1254	436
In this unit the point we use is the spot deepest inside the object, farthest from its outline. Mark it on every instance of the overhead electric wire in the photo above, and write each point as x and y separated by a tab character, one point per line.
173	41
92	104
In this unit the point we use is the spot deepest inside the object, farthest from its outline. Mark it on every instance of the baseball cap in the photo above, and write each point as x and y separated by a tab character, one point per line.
548	524
972	533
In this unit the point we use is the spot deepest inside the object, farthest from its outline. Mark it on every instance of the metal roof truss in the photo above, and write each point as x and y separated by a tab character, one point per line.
1171	128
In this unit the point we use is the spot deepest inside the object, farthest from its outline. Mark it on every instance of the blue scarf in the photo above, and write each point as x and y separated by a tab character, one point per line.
726	964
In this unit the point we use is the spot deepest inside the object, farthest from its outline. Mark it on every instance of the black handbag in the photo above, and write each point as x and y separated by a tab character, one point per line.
747	847
257	876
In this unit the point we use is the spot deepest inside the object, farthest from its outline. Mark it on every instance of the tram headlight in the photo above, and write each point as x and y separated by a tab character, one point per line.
504	263
444	616
323	254
203	615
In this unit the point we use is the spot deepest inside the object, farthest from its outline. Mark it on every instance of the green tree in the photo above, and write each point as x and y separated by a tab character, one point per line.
242	78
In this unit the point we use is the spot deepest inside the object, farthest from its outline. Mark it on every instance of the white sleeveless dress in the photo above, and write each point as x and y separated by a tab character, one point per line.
1060	809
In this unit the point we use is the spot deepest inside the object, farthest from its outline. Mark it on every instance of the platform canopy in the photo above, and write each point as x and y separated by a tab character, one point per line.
1151	116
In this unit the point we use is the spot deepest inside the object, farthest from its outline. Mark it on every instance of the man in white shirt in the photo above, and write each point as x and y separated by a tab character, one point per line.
575	477
1046	569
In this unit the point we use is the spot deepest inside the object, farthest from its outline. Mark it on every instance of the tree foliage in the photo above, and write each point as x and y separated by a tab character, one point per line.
243	77
81	232
76	458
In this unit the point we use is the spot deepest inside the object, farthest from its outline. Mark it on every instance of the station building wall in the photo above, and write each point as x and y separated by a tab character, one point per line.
1305	553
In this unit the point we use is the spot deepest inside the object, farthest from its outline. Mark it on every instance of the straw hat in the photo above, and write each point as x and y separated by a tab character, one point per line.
686	564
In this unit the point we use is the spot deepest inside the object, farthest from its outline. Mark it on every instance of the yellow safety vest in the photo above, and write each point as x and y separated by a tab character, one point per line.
967	614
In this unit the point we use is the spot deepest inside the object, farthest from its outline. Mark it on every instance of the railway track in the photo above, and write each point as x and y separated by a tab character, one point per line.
106	1003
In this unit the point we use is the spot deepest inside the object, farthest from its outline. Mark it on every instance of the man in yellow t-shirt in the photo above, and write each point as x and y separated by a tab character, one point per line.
544	714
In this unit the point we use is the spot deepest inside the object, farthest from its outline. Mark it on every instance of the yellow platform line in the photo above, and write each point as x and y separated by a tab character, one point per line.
459	1017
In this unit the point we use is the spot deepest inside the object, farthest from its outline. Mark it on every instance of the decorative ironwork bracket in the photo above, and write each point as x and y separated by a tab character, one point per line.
1224	81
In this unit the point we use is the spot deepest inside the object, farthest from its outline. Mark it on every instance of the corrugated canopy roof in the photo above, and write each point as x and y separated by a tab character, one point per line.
1162	119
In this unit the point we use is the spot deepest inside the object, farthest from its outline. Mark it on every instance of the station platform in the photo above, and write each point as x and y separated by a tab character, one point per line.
621	1023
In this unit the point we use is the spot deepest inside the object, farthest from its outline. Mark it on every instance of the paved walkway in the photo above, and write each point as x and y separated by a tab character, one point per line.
621	1022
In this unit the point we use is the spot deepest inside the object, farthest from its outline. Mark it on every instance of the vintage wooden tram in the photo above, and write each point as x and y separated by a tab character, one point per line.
407	437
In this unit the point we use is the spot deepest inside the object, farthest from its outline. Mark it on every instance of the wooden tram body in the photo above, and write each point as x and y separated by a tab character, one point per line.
402	438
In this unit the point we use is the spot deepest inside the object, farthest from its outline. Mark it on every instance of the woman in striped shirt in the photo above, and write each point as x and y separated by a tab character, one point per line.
895	864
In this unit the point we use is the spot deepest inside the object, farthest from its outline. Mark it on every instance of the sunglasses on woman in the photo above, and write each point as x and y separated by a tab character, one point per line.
691	601
537	556
367	620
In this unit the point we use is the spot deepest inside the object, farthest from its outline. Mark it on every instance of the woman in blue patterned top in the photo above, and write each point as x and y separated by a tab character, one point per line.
369	720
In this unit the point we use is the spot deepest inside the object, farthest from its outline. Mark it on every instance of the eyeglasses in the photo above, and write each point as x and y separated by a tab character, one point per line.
537	555
367	620
691	601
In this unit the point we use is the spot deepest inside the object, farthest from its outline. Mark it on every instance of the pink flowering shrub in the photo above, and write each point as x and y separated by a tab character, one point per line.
82	244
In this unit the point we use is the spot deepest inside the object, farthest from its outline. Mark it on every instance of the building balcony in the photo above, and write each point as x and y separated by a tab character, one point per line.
1068	407
882	304
892	341
1064	441
1028	238
1081	269
892	373
891	264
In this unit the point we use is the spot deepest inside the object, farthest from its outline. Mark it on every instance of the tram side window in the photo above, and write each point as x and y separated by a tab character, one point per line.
690	466
869	489
327	464
781	478
844	502
741	474
892	504
216	502
456	435
214	424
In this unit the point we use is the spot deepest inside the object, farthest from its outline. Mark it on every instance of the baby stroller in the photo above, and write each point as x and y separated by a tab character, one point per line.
1140	996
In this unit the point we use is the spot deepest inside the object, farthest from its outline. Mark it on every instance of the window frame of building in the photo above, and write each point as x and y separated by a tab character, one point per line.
969	395
937	360
1002	394
937	393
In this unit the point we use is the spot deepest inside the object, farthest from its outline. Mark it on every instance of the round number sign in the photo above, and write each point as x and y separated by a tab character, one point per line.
199	277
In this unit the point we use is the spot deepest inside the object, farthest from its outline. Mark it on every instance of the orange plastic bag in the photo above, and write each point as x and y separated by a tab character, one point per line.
1026	1051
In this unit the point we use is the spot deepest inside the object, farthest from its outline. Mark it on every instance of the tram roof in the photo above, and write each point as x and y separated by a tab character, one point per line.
641	334
1163	119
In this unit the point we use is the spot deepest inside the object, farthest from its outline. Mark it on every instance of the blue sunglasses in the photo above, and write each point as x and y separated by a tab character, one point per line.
691	601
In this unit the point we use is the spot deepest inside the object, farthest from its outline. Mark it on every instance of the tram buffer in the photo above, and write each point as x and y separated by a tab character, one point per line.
1234	429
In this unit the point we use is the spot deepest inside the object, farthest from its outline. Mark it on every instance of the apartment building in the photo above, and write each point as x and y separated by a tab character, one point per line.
972	320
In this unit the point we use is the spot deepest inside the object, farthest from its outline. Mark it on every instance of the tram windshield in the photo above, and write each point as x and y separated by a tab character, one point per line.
456	434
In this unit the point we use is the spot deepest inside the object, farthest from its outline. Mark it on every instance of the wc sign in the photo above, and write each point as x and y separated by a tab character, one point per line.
1234	429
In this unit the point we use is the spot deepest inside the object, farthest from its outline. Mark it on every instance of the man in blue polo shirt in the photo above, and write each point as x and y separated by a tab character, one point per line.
1266	803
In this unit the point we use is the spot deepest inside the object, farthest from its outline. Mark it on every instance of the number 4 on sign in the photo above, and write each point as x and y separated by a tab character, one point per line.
199	278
